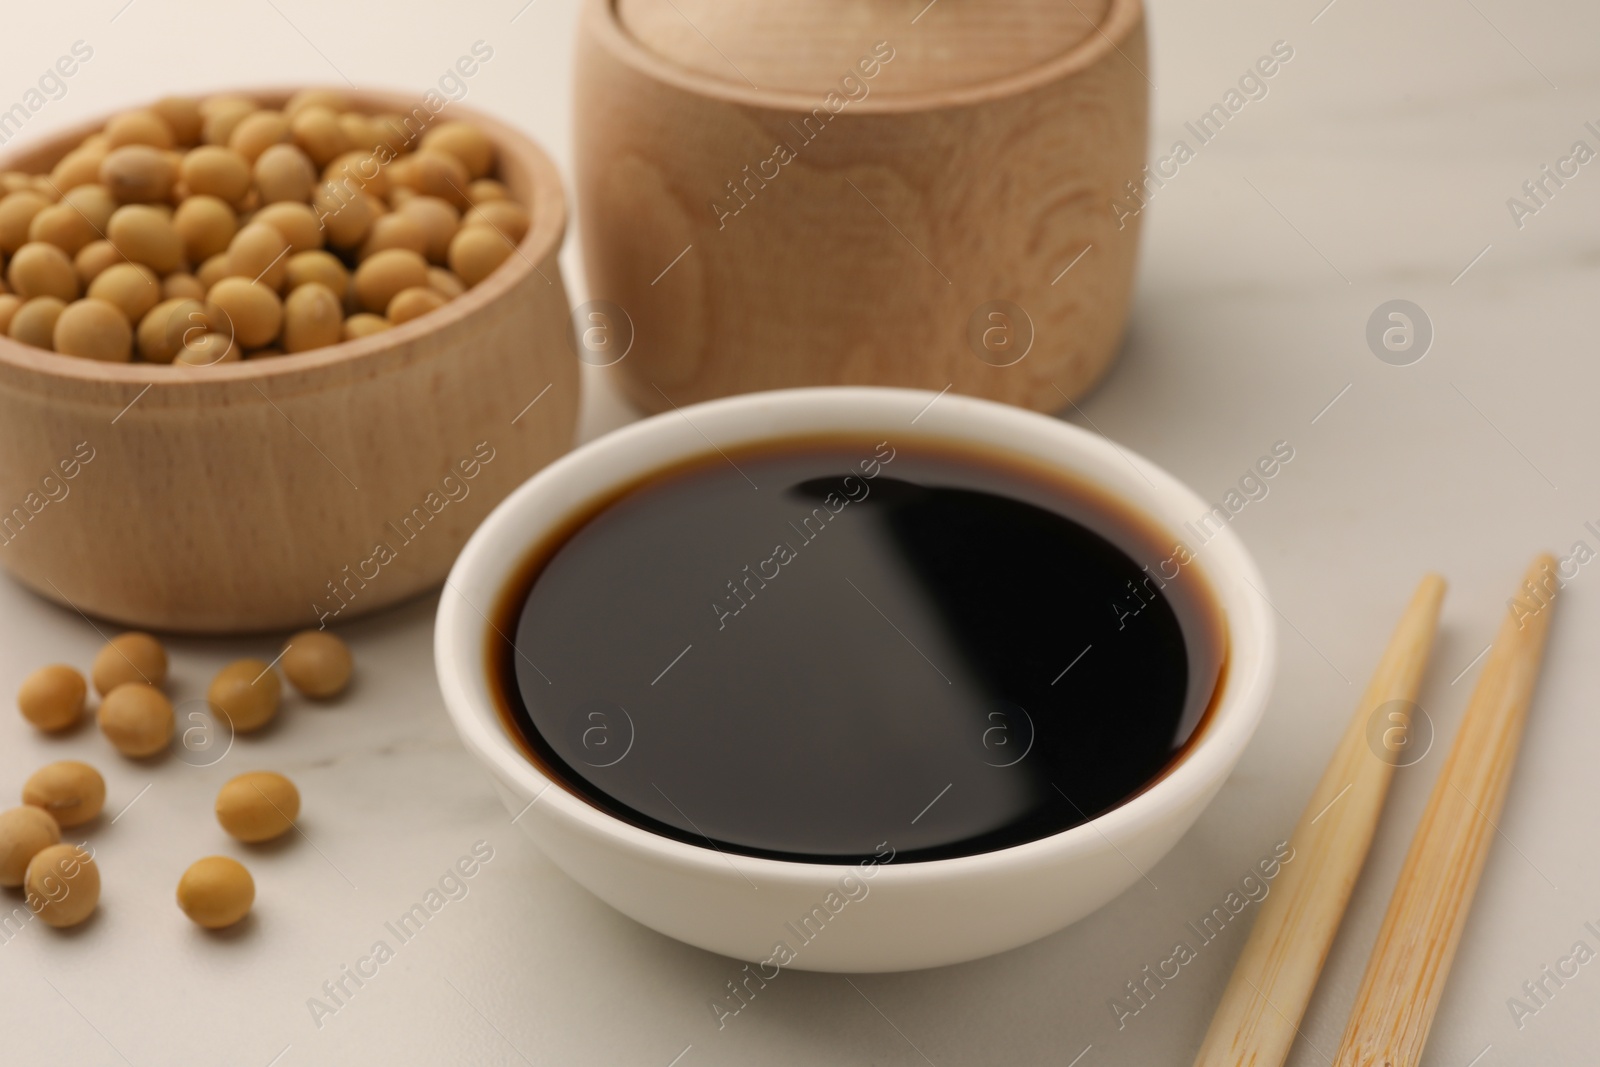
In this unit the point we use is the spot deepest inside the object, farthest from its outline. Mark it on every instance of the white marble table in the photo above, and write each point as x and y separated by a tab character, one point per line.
1377	167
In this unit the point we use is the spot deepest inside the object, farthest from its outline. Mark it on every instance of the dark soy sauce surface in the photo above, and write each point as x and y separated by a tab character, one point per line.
838	644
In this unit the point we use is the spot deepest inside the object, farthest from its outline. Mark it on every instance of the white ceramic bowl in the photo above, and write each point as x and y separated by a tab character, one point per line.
895	916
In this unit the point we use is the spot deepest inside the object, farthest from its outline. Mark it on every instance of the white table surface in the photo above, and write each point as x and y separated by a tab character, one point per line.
1377	167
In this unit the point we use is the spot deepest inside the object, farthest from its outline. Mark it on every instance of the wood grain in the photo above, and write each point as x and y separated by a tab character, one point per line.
1405	977
240	497
806	47
1259	1016
871	255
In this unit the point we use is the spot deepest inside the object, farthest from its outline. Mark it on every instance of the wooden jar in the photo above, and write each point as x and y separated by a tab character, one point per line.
282	492
883	192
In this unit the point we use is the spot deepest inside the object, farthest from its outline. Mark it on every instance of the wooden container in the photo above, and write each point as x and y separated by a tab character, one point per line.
287	491
884	192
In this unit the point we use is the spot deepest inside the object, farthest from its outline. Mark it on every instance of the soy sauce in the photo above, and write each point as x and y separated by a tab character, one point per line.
811	649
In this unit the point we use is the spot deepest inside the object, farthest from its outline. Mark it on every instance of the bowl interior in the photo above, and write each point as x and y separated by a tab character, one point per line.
488	565
521	164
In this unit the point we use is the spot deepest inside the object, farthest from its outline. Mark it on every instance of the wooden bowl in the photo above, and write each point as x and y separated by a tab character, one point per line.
921	225
294	490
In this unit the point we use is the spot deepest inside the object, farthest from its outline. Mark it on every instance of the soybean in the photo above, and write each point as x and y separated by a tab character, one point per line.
331	99
17	211
245	693
138	174
257	253
257	132
162	332
94	202
64	226
131	288
468	144
212	271
129	657
206	223
216	892
214	171
78	167
93	329
316	132
385	273
313	316
317	663
207	349
445	283
356	171
413	303
283	172
476	251
258	806
435	173
51	698
395	230
181	286
94	258
182	117
438	220
139	127
34	323
137	719
347	215
63	885
365	324
317	266
40	269
503	216
253	310
295	222
72	792
222	116
485	190
24	833
145	234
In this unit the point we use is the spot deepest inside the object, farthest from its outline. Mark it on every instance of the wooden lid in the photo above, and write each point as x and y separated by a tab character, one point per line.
808	46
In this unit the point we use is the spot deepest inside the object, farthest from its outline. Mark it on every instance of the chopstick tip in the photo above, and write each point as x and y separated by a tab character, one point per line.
1430	593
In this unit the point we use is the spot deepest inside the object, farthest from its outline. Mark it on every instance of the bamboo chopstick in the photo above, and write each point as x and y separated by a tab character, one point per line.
1405	977
1260	1011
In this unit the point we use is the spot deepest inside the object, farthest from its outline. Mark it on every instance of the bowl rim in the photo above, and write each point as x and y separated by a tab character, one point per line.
543	239
1119	21
462	625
